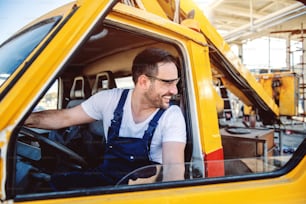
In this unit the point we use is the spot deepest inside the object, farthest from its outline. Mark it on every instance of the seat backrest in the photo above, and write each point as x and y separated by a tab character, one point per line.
78	92
104	80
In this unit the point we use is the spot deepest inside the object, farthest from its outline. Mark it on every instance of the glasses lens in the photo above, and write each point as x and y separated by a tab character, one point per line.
166	81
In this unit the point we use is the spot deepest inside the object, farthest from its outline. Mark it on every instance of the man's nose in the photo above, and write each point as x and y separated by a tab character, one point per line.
173	89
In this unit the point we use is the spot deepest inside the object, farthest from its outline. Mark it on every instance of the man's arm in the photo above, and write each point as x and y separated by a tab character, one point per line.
173	161
56	119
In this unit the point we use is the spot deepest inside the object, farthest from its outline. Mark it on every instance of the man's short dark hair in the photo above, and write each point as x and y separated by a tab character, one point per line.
146	62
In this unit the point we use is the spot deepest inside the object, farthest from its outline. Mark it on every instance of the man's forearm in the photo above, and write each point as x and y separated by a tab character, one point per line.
172	172
45	120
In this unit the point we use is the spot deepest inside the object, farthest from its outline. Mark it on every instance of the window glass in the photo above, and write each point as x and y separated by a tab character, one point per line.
50	99
249	146
14	51
270	53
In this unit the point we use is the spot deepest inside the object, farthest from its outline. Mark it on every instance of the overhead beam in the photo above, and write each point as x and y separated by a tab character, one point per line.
238	11
270	20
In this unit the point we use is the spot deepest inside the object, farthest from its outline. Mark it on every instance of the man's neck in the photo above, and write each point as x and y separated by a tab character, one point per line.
141	109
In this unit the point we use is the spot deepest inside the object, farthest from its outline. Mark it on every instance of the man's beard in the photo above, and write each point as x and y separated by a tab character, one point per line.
157	100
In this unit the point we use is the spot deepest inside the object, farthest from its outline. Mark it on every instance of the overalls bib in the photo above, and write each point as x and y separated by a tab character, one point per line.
125	154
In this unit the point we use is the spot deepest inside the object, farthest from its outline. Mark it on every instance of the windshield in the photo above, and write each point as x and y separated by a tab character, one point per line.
15	50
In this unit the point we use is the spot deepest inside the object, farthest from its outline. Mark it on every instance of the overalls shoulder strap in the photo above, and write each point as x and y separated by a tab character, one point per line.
113	130
116	121
148	135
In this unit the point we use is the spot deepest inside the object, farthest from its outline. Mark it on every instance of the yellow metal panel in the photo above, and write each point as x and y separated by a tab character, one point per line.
154	7
236	91
286	92
289	95
219	102
131	16
205	97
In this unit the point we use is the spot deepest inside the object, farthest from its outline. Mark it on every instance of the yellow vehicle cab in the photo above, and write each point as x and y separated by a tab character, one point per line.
87	46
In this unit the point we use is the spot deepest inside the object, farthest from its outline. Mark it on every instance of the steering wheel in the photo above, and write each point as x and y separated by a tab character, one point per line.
62	149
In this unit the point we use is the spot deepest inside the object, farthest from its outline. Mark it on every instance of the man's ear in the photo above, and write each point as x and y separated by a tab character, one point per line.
144	81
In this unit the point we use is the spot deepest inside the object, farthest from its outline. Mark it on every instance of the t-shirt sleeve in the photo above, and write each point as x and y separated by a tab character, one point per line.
100	103
174	126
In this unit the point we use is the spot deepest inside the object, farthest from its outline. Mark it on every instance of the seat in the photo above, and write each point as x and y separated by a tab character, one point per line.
79	91
87	140
104	80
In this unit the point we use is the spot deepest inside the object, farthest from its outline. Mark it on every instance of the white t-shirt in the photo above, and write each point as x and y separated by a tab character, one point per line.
170	128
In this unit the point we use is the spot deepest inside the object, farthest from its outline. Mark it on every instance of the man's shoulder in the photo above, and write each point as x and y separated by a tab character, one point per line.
173	111
174	108
104	97
110	93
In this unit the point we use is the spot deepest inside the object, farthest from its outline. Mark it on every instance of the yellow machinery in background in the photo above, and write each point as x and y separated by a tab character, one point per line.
283	87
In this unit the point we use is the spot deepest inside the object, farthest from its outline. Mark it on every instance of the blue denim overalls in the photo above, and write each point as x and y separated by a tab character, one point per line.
122	155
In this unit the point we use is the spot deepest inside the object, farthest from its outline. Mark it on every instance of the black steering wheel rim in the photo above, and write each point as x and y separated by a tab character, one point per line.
57	146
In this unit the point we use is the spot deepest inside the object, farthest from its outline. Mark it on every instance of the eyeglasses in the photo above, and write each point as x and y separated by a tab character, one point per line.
166	81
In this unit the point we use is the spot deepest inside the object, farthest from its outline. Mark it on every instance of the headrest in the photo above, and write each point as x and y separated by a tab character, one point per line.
78	88
104	80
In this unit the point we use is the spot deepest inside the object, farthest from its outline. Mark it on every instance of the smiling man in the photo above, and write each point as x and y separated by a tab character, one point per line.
141	126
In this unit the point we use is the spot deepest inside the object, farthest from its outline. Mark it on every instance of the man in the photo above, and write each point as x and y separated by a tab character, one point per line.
129	145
